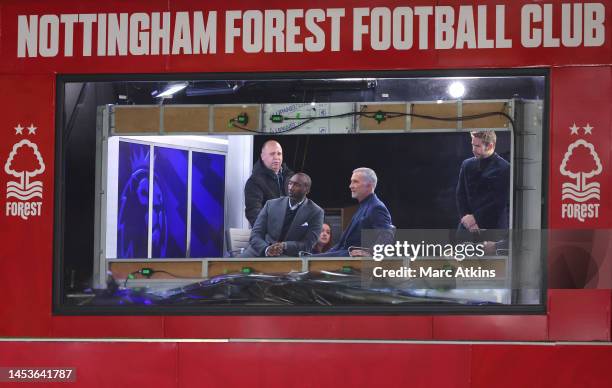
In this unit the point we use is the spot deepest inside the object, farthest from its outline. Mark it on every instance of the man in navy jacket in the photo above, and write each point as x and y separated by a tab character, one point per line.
372	214
483	190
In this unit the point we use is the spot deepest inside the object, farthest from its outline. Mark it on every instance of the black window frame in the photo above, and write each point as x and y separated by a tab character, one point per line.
60	308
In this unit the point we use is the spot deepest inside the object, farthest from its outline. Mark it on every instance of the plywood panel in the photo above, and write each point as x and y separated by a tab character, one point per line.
131	119
396	123
475	108
368	265
222	267
186	118
224	114
333	265
188	269
435	110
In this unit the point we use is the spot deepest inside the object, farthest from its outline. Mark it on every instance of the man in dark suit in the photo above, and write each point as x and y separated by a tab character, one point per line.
372	214
287	225
483	190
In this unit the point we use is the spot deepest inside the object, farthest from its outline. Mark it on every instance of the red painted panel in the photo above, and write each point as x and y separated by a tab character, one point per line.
323	365
580	177
490	327
512	366
540	366
579	315
26	131
515	56
317	364
99	364
107	327
26	252
328	327
580	259
347	58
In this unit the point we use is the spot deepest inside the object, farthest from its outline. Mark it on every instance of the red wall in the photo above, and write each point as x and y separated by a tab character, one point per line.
581	92
26	262
319	364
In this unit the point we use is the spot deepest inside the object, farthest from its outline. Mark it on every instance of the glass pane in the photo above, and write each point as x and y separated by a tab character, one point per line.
410	130
169	231
208	191
133	204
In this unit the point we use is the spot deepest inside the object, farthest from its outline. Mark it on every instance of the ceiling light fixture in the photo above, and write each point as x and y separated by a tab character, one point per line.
171	89
456	89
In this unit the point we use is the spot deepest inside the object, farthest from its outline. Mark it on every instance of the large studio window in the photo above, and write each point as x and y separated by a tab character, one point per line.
156	211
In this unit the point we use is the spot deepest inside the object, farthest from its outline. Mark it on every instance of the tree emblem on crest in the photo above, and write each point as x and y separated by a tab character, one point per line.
24	162
580	162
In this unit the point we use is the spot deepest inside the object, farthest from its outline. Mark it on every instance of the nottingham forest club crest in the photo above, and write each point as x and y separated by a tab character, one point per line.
581	194
24	164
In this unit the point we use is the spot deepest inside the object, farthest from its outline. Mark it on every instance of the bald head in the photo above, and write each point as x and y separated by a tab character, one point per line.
272	155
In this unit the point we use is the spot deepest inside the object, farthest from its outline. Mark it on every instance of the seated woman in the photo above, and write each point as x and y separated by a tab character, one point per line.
325	240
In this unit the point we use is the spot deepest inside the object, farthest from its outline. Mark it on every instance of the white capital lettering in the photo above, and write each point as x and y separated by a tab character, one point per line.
139	39
402	28
160	32
316	42
68	21
380	20
531	36
594	30
274	25
87	19
27	36
335	14
423	14
445	35
49	35
205	35
359	29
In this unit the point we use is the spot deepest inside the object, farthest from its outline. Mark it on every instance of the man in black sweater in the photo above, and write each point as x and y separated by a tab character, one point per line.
483	190
268	180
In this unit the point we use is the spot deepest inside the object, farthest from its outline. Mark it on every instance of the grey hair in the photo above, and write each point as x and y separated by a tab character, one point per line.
369	175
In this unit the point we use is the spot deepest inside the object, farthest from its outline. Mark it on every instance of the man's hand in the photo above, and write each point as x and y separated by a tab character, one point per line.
275	249
490	248
469	222
359	253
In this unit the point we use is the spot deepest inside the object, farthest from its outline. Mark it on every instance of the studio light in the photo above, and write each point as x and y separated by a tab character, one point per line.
171	89
456	89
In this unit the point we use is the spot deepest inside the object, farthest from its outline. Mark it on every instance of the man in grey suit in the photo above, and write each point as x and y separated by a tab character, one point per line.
287	225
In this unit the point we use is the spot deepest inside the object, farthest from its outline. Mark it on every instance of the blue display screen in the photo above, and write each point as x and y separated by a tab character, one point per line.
169	231
133	200
208	193
170	202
